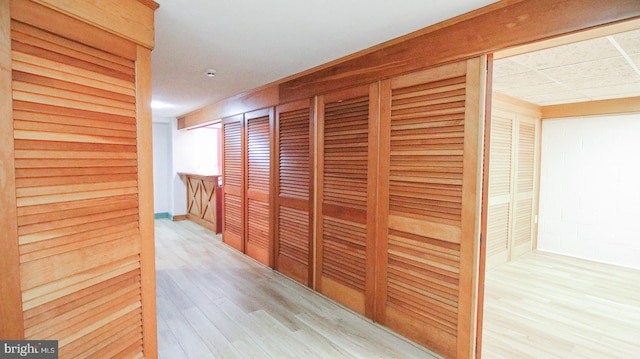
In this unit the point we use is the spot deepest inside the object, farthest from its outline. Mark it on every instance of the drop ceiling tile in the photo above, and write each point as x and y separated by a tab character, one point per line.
605	72
526	91
591	50
629	41
530	78
636	60
507	67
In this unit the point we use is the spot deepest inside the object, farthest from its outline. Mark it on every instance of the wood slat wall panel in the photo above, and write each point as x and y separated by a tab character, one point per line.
202	199
427	166
294	236
76	190
233	183
343	245
259	240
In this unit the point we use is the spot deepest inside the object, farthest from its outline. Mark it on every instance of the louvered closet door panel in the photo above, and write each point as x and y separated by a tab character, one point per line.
500	178
525	186
430	149
233	182
77	194
258	242
293	241
343	250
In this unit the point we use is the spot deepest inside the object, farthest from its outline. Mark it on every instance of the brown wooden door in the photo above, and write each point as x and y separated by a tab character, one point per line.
347	145
429	196
258	242
80	140
233	182
294	187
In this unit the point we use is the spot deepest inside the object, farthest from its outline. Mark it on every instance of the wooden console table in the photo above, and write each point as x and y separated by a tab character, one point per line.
204	200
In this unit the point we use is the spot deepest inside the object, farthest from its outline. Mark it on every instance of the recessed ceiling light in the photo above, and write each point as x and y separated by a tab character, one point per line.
210	73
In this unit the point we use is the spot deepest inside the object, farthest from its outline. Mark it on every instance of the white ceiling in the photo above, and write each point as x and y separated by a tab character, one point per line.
255	42
598	69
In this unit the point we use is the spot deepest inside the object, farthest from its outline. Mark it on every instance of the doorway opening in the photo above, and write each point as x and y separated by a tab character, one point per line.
563	252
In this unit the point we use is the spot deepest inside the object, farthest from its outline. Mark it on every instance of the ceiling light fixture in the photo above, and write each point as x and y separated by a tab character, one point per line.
210	73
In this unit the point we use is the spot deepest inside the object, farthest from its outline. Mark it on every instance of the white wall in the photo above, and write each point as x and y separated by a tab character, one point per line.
590	188
180	151
196	151
162	161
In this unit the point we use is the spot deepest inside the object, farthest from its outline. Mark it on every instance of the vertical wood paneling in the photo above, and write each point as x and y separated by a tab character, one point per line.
81	152
428	194
258	244
344	178
294	178
233	182
11	325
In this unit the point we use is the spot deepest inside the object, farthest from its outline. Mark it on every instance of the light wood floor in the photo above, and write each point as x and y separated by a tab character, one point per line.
216	303
551	306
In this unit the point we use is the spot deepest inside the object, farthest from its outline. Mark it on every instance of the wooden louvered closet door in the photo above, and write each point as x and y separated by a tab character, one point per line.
294	178
77	183
233	182
430	135
513	179
500	178
347	126
525	186
258	242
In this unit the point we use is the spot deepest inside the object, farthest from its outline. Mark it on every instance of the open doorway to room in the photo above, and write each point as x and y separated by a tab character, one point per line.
563	241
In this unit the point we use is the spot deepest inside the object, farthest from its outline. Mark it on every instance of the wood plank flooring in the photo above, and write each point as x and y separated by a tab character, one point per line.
214	302
549	306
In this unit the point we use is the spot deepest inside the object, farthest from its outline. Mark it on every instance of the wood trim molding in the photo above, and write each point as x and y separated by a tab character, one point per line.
515	24
72	28
12	324
512	103
131	19
259	98
592	108
145	203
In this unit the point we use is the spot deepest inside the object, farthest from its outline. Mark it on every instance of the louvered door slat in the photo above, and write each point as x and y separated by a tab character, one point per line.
258	171
233	183
500	192
428	196
77	191
294	174
344	252
525	186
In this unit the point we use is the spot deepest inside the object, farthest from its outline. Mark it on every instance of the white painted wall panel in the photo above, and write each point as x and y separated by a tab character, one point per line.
590	188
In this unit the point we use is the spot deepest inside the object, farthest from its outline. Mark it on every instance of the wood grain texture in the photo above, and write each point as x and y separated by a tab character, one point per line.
72	28
577	308
592	108
207	308
148	342
429	195
259	238
293	223
203	195
11	326
341	264
509	24
132	20
83	194
234	157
